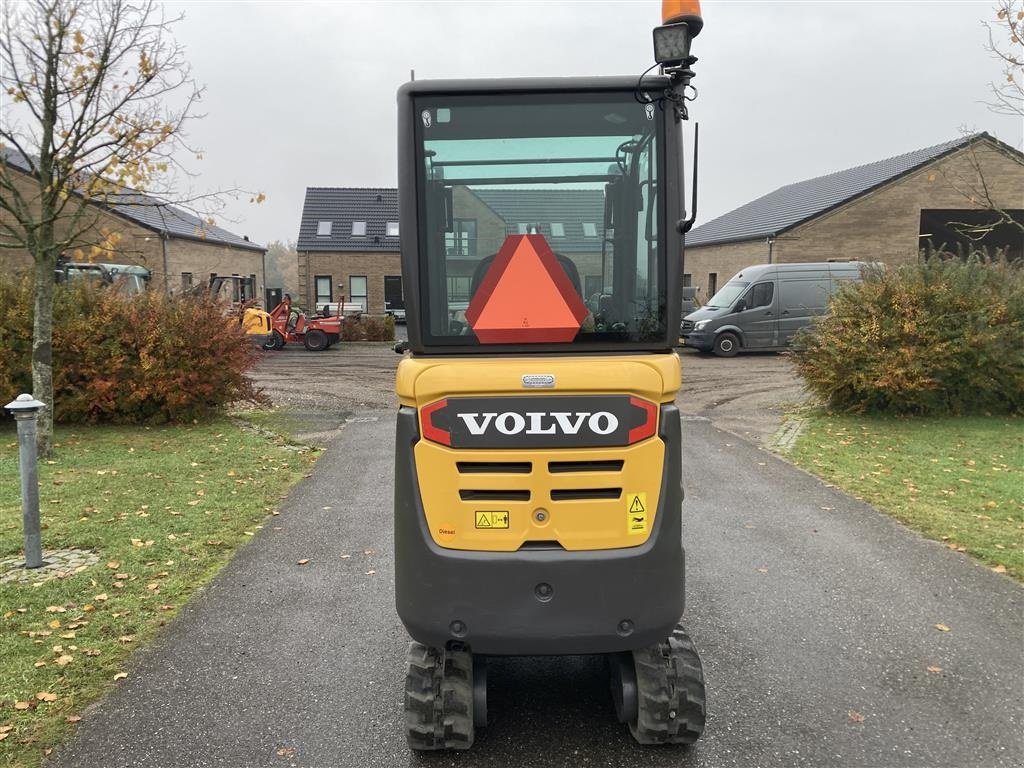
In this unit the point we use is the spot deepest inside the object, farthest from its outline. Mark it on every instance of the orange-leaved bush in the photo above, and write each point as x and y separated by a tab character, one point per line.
942	336
149	358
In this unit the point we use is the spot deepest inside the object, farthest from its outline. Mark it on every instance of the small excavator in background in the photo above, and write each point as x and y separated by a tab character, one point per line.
538	445
238	292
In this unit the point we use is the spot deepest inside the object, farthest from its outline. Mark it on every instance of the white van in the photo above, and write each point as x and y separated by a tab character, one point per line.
762	307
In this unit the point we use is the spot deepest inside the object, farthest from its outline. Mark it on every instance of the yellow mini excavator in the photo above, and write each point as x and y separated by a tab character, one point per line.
538	461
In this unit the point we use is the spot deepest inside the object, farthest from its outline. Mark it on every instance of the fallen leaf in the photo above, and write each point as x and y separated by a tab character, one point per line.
121	576
73	718
92	651
46	696
113	565
4	735
1000	569
934	670
63	661
6	728
39	664
303	561
855	716
370	572
126	639
942	628
55	609
22	705
88	607
120	675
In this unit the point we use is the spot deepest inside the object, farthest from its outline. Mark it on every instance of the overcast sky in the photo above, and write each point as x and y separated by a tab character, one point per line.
302	94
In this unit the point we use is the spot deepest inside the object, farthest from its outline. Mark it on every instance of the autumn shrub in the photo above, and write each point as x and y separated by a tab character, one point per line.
16	297
367	328
942	336
150	358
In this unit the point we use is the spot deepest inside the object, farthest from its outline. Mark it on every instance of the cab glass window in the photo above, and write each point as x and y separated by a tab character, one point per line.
580	170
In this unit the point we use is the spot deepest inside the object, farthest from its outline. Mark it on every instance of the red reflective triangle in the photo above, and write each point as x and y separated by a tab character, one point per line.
525	296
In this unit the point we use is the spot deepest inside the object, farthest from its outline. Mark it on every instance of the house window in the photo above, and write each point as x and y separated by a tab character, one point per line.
458	288
323	229
712	283
687	280
392	229
522	228
323	290
557	229
186	280
589	229
461	241
359	229
357	290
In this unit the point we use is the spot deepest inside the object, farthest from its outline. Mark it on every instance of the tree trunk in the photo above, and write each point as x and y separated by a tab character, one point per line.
42	349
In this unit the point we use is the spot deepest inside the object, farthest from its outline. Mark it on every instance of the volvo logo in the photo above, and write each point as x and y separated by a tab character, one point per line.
539	421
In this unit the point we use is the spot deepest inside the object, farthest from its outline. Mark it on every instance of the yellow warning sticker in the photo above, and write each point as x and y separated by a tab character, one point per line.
492	519
636	513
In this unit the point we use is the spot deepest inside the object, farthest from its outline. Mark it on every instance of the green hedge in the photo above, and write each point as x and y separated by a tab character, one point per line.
150	358
943	336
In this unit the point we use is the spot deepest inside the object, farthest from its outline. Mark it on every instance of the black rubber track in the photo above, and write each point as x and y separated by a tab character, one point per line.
670	692
439	699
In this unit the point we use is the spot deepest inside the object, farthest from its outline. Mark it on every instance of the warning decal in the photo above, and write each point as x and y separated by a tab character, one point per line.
636	513
492	519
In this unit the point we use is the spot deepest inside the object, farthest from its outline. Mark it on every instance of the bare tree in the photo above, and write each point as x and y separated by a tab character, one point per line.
1006	45
95	96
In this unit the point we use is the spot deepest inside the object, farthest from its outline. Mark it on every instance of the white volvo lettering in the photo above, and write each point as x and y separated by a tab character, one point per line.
568	427
564	422
535	425
610	423
510	423
475	427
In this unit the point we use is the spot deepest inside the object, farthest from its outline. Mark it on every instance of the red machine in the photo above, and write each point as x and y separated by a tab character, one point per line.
316	333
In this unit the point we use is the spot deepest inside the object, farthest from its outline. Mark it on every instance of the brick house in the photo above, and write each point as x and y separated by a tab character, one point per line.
180	249
885	211
349	241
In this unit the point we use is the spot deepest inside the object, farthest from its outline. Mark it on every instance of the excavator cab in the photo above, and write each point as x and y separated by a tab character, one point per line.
538	461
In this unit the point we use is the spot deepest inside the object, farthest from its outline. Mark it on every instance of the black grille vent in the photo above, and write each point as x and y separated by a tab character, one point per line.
492	495
580	494
497	467
556	467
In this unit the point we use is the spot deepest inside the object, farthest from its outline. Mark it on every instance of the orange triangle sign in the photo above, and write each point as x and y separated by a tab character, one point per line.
525	296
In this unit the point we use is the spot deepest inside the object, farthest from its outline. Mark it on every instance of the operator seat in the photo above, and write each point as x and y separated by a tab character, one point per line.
485	264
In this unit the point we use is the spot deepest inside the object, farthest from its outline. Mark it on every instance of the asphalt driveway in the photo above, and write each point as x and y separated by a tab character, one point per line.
815	615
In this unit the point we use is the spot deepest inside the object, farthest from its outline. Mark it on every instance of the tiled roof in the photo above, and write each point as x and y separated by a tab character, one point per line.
794	204
340	206
572	208
376	206
154	214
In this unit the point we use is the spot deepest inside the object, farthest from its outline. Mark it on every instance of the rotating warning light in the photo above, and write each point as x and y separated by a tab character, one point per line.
675	11
525	297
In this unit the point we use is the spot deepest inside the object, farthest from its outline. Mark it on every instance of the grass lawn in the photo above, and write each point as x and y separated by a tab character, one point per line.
956	480
164	508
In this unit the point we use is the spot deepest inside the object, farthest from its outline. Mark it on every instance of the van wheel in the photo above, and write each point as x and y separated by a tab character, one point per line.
727	344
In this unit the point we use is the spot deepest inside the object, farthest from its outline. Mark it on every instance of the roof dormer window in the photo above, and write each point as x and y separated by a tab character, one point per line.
589	229
358	229
557	229
392	230
323	229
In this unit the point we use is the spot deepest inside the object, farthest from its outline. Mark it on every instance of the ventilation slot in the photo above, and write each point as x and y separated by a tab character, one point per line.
579	494
491	495
497	467
556	467
541	545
